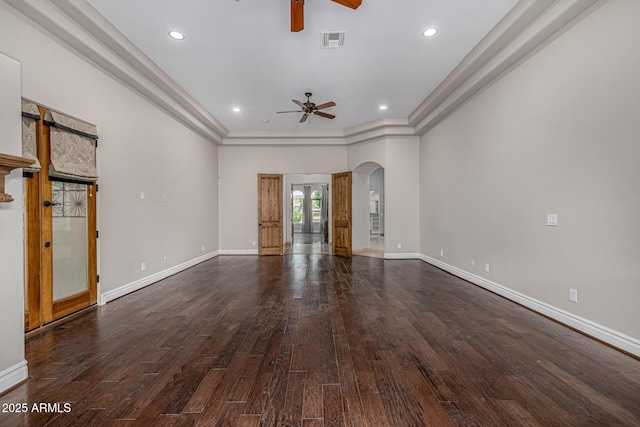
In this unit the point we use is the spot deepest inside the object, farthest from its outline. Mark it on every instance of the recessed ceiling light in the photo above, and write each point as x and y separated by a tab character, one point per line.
430	32
236	109
383	107
176	35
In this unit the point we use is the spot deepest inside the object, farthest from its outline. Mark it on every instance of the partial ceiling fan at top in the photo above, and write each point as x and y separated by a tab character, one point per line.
297	12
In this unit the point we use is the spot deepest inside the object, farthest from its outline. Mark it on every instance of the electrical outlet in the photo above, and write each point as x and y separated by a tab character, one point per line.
202	248
164	198
142	195
486	267
473	262
552	219
164	261
253	243
441	252
399	245
573	295
143	266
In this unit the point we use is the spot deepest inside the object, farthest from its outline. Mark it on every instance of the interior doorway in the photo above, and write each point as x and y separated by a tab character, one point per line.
368	210
307	214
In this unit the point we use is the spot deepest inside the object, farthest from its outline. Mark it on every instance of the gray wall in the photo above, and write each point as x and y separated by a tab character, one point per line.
559	134
12	366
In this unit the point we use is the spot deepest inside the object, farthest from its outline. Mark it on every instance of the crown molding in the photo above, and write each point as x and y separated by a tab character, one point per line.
520	33
354	135
78	25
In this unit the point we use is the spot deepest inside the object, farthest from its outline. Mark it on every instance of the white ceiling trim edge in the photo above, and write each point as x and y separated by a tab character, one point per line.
81	27
521	32
354	135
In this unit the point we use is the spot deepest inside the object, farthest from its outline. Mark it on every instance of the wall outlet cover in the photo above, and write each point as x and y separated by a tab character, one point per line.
573	295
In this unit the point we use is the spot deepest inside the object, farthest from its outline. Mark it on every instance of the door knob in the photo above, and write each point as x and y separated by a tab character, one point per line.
47	203
47	244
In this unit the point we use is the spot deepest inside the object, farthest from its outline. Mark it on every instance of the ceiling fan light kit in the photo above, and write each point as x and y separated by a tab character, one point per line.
297	12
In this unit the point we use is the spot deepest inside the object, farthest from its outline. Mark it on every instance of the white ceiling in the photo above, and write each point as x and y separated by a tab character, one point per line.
241	53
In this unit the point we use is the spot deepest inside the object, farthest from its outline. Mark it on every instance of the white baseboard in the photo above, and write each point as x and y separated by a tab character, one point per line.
388	255
13	375
238	252
139	284
610	336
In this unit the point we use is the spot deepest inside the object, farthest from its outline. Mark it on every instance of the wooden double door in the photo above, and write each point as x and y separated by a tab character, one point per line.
270	214
60	236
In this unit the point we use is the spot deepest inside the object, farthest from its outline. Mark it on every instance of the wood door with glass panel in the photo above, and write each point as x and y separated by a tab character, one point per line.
341	213
270	214
61	239
71	253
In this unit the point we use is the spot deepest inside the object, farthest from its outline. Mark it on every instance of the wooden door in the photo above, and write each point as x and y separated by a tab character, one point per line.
270	218
53	211
341	213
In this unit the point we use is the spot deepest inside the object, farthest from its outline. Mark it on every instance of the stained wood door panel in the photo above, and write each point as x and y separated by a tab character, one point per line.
270	214
341	213
32	243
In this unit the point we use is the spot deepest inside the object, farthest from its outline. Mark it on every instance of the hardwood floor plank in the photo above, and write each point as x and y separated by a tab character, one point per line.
310	340
333	409
230	415
293	401
205	389
353	412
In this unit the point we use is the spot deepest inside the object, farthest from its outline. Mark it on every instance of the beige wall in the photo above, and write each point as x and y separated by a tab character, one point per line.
239	168
12	367
559	134
141	148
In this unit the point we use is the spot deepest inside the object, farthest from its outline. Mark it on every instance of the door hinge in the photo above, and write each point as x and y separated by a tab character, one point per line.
98	278
97	188
97	234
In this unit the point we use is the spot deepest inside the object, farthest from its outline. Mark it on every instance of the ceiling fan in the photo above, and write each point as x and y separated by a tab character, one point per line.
297	12
311	108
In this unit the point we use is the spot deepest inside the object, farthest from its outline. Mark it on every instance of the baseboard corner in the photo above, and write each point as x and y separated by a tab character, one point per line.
13	376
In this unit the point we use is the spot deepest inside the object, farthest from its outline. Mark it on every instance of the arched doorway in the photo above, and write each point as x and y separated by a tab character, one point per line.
368	210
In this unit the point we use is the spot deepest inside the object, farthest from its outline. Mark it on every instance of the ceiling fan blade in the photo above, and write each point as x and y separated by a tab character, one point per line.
325	105
298	103
325	115
297	15
293	111
353	4
304	117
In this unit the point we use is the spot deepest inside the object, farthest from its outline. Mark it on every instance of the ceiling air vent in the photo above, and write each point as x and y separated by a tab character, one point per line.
333	39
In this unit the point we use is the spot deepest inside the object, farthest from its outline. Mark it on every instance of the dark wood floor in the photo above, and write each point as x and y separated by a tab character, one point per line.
312	340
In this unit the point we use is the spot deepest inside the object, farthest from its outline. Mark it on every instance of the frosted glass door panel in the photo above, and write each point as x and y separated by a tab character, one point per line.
69	239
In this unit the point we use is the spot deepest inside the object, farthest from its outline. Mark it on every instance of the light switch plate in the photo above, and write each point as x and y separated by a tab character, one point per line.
552	219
